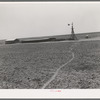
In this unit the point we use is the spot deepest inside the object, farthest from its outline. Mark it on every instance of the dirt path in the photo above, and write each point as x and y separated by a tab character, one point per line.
56	73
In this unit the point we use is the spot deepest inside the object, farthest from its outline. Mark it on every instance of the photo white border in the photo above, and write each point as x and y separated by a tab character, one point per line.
48	93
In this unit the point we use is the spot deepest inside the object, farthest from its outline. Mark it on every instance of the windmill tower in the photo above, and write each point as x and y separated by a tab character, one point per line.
72	36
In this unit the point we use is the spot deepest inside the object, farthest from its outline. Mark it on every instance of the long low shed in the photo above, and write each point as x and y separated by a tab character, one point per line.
30	40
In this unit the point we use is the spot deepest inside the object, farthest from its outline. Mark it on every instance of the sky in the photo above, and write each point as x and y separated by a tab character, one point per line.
35	19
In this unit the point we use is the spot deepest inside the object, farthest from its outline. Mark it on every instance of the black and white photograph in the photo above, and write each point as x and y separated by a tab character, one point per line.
50	45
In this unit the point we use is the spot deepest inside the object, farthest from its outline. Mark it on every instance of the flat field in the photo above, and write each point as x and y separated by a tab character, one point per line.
30	66
84	71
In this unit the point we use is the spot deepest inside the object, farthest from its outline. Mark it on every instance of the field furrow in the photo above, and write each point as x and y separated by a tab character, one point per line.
83	72
31	65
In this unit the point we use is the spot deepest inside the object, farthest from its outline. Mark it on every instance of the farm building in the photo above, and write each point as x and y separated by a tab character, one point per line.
12	41
36	40
30	40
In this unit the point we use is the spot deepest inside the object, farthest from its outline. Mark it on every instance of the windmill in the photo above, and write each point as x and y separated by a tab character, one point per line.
72	36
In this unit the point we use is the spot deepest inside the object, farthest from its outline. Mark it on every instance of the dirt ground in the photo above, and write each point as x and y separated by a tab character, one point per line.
84	71
30	66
